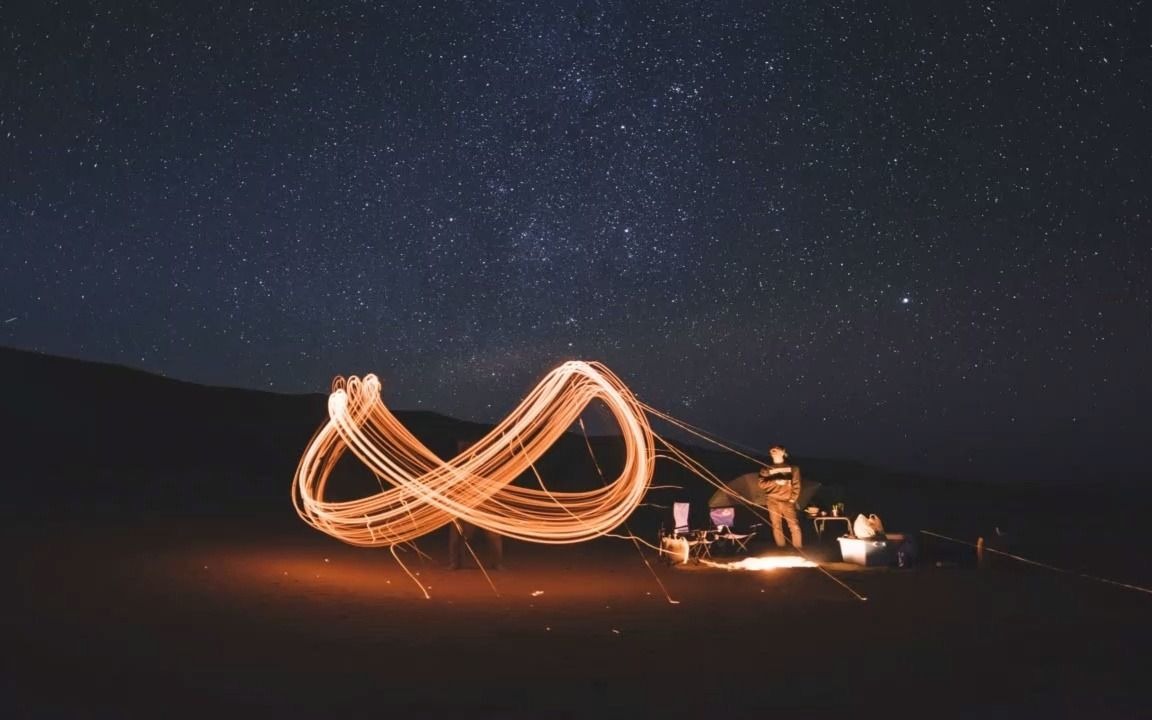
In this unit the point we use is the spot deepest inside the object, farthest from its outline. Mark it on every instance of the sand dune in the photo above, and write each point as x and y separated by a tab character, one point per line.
183	616
126	596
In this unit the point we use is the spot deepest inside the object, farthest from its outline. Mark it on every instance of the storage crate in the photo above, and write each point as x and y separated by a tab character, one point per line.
865	551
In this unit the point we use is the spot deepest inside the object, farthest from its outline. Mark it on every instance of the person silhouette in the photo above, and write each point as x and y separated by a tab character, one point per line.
780	482
461	533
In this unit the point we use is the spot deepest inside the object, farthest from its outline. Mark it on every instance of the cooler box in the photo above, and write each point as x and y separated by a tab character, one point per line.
865	551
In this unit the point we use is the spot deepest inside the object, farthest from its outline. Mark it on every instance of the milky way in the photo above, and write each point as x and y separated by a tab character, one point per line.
910	233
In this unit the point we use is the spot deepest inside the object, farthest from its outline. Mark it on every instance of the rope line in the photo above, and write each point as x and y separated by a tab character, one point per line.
700	433
1046	566
635	540
696	467
706	436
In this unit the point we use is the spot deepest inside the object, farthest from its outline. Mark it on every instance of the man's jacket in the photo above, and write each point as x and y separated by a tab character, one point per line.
781	482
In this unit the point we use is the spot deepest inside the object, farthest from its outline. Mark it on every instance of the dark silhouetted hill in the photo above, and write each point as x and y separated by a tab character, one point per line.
85	436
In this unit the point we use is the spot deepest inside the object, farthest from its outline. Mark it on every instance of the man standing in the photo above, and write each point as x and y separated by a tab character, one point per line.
780	482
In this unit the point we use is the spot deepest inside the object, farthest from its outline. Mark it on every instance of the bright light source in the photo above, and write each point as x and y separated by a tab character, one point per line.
768	562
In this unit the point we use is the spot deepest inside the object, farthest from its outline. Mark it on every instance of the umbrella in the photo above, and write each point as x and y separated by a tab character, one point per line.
740	491
745	489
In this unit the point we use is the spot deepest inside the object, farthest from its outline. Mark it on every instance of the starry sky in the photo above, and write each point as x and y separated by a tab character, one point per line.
908	233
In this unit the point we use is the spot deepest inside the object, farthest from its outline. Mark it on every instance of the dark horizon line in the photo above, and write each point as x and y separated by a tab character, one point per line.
682	444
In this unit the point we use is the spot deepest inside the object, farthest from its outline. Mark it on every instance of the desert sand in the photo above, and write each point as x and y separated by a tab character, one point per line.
185	616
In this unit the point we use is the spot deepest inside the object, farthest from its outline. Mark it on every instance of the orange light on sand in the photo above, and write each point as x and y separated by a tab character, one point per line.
769	562
420	492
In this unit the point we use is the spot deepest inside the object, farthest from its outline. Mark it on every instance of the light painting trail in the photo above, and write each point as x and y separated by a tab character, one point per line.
421	492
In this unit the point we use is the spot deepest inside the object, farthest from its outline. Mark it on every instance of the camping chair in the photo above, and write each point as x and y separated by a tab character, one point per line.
685	543
722	519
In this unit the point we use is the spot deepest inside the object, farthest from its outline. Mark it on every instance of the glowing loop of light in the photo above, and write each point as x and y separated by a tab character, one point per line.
420	492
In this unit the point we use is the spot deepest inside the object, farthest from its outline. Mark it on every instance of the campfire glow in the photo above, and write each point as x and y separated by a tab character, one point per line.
768	562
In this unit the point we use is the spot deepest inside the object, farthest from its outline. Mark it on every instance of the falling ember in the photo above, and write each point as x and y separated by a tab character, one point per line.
422	492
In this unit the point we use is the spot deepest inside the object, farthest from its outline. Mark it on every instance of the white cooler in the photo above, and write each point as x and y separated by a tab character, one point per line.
865	551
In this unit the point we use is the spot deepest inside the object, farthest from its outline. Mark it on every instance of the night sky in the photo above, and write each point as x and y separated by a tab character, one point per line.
916	234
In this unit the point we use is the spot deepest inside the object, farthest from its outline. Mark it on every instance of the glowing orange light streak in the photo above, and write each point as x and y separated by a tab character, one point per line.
768	562
421	492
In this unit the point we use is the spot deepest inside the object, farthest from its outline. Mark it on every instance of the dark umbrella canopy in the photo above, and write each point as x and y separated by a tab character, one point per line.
746	489
742	490
744	494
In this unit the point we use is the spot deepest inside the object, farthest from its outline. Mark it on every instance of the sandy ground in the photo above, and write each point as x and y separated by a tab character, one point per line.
187	616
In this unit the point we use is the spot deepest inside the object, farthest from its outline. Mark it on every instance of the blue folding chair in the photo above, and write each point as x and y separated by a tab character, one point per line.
722	520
